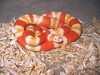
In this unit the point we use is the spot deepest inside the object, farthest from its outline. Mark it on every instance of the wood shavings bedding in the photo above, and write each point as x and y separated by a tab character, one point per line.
81	57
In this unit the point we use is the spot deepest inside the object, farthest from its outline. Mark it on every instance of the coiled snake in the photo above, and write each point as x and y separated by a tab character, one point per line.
49	31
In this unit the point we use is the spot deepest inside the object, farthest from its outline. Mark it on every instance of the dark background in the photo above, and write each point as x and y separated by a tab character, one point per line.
84	10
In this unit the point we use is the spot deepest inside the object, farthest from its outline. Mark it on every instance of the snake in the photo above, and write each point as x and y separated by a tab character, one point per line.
48	31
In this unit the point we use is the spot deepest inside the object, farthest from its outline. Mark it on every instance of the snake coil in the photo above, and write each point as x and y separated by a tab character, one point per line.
46	32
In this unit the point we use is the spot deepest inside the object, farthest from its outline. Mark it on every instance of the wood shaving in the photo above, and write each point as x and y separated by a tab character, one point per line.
96	23
81	57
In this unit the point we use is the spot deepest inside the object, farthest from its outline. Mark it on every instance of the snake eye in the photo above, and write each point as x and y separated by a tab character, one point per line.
58	39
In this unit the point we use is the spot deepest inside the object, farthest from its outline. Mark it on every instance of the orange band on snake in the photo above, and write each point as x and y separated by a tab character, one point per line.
49	31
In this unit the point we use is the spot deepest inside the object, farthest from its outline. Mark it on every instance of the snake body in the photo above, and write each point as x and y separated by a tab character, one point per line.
49	31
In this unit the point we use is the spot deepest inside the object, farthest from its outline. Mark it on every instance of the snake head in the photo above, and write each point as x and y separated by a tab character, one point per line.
58	39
